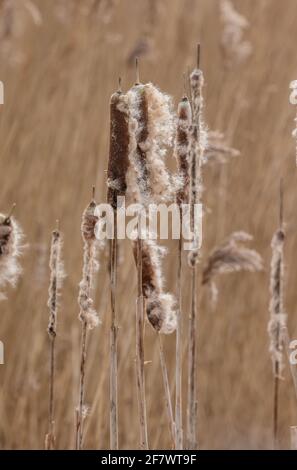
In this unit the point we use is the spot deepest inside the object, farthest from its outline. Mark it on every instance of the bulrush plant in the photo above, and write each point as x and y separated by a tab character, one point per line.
117	170
197	149
56	279
278	317
87	315
182	141
149	182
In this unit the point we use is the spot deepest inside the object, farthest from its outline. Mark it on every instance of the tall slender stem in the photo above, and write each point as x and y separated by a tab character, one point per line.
140	377
167	390
178	350
80	411
114	445
192	369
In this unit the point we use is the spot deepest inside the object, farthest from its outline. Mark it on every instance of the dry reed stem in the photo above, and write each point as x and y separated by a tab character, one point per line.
196	157
118	166
87	314
168	402
140	376
55	284
184	114
277	315
114	444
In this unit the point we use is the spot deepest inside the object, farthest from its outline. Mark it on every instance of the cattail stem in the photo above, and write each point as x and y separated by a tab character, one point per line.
55	283
80	410
192	372
140	377
179	350
87	314
114	445
50	437
167	390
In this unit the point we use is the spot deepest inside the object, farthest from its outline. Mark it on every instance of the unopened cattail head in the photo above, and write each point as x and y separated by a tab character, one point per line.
11	237
235	48
231	256
160	306
184	116
56	278
151	131
119	148
90	266
276	307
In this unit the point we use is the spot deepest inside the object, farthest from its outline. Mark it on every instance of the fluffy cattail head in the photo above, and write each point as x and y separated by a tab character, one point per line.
184	115
90	266
89	221
235	48
11	237
151	131
56	277
119	148
276	307
160	306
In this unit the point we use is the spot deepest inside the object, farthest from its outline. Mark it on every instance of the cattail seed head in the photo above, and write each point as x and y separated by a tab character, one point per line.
276	307
198	141
160	306
56	278
151	129
11	237
90	266
119	148
184	114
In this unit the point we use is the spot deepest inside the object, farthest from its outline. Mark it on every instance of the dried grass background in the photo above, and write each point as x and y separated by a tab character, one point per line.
54	145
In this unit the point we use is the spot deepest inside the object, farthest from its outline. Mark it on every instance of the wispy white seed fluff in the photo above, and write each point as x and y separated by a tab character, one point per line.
160	306
56	278
90	265
151	132
11	237
276	307
235	48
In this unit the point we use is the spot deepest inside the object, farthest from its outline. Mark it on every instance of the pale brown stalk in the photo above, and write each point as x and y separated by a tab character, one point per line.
87	315
182	155
140	376
55	284
168	401
277	314
114	444
196	158
117	172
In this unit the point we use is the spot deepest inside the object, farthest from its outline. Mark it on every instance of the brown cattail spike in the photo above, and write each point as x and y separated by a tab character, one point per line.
119	148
